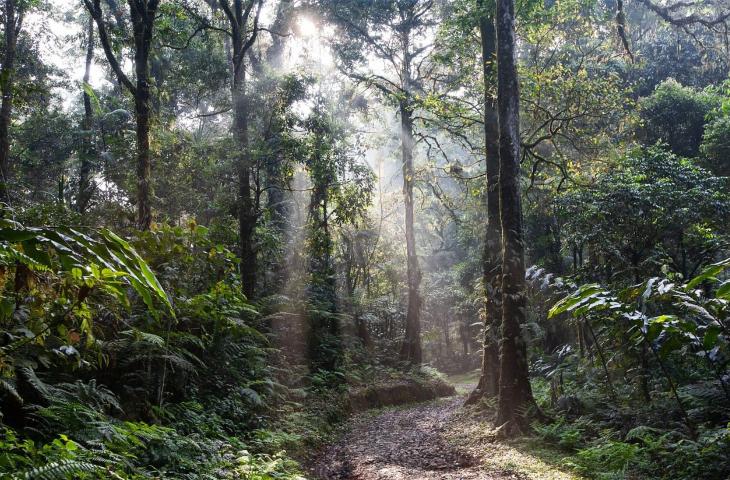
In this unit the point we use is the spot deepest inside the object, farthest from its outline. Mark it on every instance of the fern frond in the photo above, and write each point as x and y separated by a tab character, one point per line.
9	389
62	470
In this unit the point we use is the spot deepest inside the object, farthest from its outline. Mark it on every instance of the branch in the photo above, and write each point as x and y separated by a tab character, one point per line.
212	114
370	80
255	31
204	21
96	13
274	33
693	18
229	13
621	28
187	42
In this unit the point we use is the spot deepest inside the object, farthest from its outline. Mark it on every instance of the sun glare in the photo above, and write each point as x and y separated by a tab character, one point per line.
306	27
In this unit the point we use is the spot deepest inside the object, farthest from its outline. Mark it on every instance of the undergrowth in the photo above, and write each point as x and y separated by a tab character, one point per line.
110	371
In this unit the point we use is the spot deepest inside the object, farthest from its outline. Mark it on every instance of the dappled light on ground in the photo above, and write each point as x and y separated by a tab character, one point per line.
436	440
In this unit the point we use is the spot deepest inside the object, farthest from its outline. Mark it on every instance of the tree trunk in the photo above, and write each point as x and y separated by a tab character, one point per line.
13	21
325	342
515	392
142	26
489	378
87	150
238	18
411	348
246	215
144	166
142	15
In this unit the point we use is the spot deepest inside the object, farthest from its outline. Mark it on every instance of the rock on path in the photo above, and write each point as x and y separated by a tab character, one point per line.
401	444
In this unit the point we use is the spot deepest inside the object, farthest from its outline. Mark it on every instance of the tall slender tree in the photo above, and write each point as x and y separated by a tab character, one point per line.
274	164
12	22
86	187
321	162
395	32
243	20
142	14
515	392
489	377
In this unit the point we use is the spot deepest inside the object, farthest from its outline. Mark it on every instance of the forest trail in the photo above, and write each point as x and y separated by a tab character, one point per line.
426	441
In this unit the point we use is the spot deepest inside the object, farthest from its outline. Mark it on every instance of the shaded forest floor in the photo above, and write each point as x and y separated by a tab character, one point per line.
432	440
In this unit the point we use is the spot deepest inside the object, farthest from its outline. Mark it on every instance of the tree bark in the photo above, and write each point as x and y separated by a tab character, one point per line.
489	379
87	149
411	348
13	22
142	26
515	392
238	18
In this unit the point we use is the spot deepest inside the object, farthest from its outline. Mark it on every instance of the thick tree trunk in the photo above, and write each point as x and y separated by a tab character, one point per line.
515	392
12	26
411	348
489	379
86	189
142	15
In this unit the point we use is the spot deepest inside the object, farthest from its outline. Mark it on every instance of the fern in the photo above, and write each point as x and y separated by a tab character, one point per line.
9	389
98	397
63	469
28	375
9	255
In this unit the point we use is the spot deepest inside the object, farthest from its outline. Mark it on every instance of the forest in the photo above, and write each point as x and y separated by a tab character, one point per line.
365	239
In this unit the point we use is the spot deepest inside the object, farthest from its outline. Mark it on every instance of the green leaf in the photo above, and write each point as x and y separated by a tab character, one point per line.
88	90
571	301
108	258
709	273
724	290
712	334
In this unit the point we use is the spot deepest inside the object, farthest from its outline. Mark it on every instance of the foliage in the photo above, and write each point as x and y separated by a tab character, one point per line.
715	147
676	115
652	209
676	322
136	355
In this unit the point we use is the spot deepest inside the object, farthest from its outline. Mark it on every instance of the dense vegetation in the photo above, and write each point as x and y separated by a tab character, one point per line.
225	225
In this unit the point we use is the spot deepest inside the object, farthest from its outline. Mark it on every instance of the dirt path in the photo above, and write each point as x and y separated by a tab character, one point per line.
406	443
429	441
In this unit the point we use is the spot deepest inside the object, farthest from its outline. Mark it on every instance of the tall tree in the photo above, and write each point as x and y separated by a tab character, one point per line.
395	32
515	392
321	163
142	14
241	16
287	89
489	378
86	187
12	23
